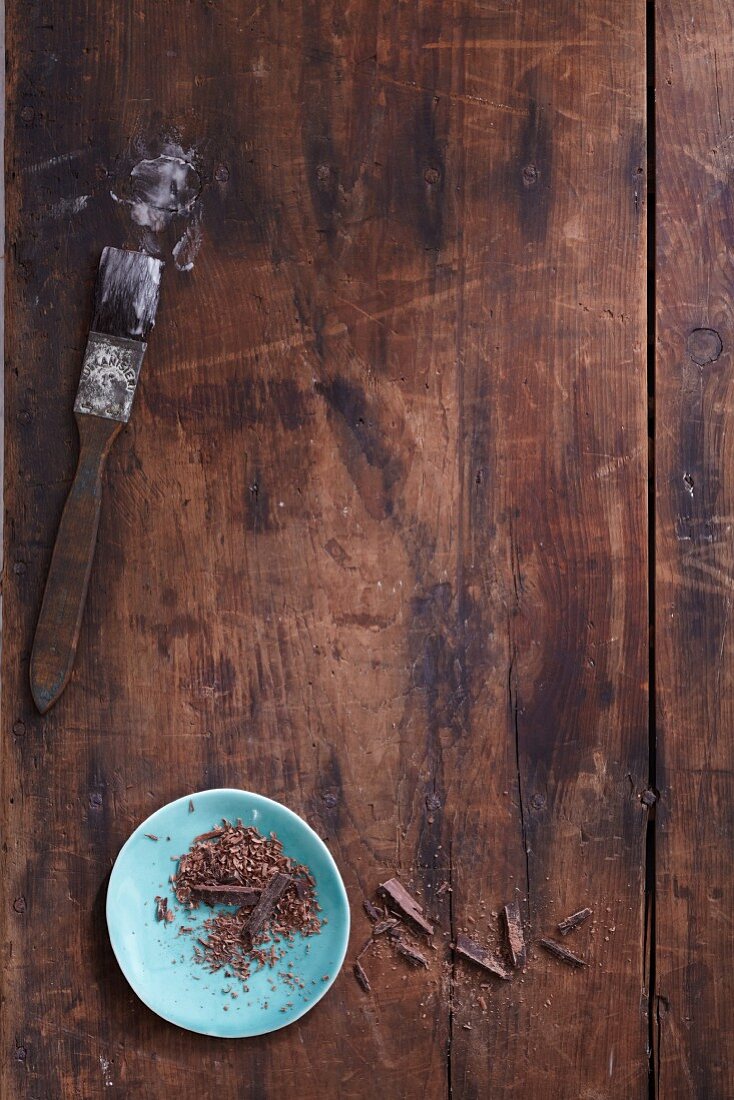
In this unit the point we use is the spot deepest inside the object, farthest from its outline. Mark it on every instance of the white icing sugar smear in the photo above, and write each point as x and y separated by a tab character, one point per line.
186	248
163	188
159	191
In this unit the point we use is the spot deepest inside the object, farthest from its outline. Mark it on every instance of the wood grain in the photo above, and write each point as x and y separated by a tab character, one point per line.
373	542
695	659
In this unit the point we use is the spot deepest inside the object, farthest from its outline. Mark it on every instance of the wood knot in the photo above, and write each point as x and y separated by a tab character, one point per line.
530	175
704	346
431	176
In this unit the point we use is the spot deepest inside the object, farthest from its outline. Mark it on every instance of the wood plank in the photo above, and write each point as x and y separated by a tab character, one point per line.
373	541
544	771
695	659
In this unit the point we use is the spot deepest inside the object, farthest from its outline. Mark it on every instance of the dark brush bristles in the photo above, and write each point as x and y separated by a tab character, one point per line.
126	295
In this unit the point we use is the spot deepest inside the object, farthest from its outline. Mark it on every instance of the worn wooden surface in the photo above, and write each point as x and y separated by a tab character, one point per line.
374	540
695	502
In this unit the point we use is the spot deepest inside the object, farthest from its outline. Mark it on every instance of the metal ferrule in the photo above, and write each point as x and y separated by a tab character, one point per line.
109	376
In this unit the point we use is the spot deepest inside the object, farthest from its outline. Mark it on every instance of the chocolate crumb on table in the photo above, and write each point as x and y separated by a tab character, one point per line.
562	953
574	921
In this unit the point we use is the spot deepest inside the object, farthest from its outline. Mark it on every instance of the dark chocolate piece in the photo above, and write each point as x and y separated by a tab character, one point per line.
515	933
399	899
384	926
414	957
475	953
562	953
361	977
161	910
242	860
263	911
227	894
365	947
211	835
574	921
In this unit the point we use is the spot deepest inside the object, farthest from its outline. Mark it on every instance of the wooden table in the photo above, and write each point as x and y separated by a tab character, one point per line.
375	541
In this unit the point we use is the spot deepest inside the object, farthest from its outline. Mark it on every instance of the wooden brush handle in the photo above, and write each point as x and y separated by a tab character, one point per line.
57	633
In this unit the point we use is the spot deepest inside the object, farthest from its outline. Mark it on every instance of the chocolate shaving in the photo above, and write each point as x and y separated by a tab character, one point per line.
474	952
161	910
414	957
515	933
213	834
399	899
562	953
371	910
574	921
151	836
263	911
384	926
191	805
365	947
361	976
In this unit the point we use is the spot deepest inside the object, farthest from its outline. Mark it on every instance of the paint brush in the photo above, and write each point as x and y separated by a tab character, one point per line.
126	300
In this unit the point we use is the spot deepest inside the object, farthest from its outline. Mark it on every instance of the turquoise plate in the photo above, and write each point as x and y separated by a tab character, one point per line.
159	963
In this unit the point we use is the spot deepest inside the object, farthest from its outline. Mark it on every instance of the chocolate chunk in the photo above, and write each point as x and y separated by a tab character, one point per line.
384	926
263	911
574	921
474	952
515	933
399	899
562	953
361	976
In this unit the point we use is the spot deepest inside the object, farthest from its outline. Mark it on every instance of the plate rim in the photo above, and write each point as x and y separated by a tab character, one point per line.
342	892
